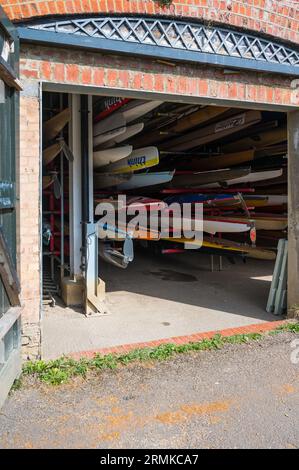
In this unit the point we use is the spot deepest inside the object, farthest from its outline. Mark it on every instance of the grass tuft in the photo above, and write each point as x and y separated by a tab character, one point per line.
59	371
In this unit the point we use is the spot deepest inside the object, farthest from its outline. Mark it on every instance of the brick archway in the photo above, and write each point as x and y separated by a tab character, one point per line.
278	18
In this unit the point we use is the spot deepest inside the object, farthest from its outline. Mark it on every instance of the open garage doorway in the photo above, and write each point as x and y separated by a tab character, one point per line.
232	161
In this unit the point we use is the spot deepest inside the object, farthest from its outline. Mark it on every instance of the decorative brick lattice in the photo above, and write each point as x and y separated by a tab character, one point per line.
177	35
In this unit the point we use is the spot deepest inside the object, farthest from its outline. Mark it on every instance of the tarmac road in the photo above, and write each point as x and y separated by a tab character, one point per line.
242	396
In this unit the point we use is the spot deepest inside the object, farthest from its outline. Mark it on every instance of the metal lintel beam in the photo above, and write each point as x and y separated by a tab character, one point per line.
139	94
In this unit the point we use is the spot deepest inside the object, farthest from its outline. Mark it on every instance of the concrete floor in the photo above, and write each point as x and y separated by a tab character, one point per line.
161	297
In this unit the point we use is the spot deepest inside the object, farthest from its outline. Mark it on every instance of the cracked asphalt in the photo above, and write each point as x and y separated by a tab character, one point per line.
242	396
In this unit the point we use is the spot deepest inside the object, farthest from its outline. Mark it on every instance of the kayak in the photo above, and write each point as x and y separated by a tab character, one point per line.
139	159
258	141
137	108
214	225
260	223
130	132
213	132
102	138
107	106
228	245
221	161
187	122
249	178
209	177
143	180
108	124
106	157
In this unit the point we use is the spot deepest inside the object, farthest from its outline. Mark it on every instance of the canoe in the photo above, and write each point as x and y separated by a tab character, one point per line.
260	223
276	199
53	126
107	106
137	108
227	245
51	152
140	202
218	225
249	178
275	182
255	201
133	203
196	119
106	180
130	132
143	180
222	161
139	159
258	141
187	122
210	225
257	176
106	157
208	199
100	139
213	132
108	124
227	200
209	177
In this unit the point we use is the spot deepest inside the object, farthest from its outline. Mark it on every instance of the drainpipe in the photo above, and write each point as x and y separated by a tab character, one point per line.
85	176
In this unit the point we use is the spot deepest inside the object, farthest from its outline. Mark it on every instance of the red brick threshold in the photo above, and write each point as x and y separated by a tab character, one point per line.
125	348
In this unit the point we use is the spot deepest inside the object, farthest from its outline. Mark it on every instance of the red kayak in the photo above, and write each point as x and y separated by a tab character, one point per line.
108	106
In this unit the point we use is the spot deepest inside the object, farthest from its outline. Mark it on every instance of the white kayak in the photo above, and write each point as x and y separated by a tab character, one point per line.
146	179
110	123
130	132
101	138
140	159
212	226
138	108
250	178
105	157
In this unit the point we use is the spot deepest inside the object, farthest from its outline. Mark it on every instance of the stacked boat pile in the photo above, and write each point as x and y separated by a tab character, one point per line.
233	162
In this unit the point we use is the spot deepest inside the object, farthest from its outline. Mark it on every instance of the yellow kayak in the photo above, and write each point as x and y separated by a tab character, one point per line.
227	245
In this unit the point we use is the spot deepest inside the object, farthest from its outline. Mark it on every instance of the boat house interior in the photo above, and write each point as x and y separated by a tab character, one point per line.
143	284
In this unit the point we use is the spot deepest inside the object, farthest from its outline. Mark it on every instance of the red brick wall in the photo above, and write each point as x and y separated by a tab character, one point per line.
89	68
278	18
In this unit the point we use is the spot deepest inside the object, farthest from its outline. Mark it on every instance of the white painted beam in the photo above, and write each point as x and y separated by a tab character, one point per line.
75	188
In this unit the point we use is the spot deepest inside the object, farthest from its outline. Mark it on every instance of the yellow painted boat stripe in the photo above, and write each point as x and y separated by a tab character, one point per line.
127	168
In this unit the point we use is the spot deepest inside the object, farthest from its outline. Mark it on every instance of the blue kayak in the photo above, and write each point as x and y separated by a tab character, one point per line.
184	198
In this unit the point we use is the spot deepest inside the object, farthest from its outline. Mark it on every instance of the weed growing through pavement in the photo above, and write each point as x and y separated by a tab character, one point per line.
61	370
